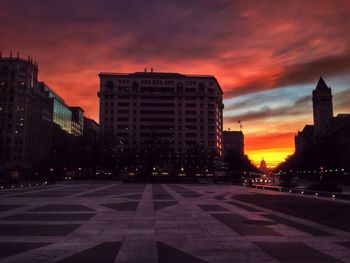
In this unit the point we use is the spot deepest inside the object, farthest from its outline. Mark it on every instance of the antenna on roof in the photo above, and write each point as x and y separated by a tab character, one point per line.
17	55
151	70
145	70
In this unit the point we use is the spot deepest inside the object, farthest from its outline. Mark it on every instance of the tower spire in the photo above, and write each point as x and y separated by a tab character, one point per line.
321	84
322	106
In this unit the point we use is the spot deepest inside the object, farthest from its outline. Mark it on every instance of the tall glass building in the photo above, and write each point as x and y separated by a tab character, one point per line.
62	115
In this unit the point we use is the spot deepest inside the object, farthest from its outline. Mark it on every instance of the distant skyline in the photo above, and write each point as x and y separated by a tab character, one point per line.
267	55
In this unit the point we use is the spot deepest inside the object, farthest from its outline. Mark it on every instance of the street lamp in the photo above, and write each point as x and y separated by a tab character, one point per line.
51	172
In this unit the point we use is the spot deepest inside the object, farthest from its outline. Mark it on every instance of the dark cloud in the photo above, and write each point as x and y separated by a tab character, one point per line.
341	100
300	73
299	107
302	106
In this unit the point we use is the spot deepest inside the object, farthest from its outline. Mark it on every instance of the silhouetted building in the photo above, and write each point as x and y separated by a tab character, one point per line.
77	121
322	107
164	110
263	166
329	138
233	141
25	117
91	128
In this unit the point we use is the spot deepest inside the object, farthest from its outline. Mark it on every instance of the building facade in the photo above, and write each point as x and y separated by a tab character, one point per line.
77	121
62	114
90	128
233	141
165	110
69	118
25	117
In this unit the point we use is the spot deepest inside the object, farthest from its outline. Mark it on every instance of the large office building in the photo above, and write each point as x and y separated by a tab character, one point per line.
70	119
62	114
25	117
167	110
233	141
33	121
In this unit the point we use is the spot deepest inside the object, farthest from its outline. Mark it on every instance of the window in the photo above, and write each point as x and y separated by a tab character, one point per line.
110	86
135	86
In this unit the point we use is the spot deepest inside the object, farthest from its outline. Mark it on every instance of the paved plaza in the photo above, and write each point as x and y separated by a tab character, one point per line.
82	222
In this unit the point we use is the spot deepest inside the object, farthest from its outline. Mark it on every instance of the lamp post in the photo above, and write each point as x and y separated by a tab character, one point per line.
51	174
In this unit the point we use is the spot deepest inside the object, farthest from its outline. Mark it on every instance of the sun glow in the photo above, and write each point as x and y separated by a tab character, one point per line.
272	156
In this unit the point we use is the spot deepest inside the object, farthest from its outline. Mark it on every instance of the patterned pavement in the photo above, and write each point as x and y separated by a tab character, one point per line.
114	222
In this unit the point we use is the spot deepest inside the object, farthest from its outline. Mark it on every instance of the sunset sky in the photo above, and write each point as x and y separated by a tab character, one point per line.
267	55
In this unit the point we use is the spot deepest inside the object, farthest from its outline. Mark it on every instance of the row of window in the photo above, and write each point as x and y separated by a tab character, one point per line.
158	97
156	104
126	119
211	128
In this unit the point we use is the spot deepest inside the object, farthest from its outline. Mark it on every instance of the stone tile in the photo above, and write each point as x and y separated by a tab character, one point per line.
245	227
48	217
127	206
191	195
61	208
8	249
212	208
158	205
294	252
162	196
169	254
307	229
137	251
133	196
36	230
245	207
330	213
105	252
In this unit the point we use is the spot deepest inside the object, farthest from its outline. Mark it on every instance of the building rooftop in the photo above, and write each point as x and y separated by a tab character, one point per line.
233	132
17	58
153	74
160	75
52	93
308	129
76	108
